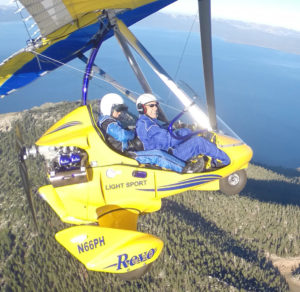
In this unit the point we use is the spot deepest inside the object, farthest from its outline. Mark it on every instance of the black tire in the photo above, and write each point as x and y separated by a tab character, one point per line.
234	183
136	274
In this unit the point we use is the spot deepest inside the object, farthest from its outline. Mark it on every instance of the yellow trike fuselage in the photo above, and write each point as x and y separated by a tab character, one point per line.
113	179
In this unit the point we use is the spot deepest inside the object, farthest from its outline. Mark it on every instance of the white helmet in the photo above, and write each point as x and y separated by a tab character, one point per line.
142	100
110	102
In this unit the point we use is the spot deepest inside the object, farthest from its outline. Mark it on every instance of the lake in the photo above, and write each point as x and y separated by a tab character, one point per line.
257	89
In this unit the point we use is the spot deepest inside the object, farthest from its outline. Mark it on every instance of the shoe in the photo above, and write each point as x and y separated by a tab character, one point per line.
195	164
215	163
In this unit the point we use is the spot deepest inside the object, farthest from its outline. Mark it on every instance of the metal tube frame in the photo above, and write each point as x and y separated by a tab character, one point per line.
107	78
132	62
196	112
88	69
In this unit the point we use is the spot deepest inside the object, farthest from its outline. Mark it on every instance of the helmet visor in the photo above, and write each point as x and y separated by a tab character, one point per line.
119	108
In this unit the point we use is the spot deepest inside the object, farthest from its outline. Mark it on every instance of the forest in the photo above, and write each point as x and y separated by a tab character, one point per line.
213	242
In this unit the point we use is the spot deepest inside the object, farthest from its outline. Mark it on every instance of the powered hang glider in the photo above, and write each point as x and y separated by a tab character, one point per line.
101	191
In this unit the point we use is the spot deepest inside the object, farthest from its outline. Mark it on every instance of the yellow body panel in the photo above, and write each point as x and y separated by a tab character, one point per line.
75	201
209	186
108	249
112	179
115	217
118	180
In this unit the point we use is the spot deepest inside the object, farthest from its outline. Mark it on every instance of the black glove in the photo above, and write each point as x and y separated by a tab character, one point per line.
179	125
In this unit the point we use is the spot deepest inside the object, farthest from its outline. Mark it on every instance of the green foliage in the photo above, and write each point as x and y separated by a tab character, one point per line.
213	242
6	243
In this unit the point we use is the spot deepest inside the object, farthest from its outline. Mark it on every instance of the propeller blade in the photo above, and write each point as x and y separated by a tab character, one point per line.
206	43
24	173
19	139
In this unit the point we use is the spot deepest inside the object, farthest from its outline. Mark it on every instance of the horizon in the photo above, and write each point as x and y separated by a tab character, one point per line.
181	35
268	12
275	13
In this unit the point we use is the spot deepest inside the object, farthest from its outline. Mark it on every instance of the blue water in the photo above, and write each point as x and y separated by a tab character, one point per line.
257	89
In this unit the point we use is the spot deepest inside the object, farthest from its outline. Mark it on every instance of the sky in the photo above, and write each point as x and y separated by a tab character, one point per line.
282	13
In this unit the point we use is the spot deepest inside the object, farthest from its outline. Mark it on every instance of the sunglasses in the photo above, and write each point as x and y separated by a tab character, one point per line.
153	104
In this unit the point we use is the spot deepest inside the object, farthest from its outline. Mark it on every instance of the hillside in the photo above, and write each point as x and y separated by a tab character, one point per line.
233	31
213	242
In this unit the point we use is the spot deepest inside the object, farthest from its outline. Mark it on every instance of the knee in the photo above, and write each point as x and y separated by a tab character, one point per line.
203	143
226	159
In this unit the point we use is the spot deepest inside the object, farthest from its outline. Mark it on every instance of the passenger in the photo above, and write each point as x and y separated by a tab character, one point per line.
111	107
153	136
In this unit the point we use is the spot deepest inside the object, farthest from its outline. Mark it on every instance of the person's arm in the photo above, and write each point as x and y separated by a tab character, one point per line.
160	137
183	132
120	134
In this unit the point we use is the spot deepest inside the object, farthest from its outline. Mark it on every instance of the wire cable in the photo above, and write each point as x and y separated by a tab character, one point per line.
184	48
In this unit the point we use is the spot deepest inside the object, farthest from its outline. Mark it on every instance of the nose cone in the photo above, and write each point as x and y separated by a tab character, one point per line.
239	152
243	155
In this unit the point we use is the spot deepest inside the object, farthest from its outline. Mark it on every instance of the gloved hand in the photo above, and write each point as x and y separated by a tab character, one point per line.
210	136
179	125
192	127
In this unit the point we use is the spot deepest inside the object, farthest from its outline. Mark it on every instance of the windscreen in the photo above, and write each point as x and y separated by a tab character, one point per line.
172	107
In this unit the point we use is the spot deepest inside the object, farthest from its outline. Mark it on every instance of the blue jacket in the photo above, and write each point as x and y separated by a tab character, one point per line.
153	136
113	128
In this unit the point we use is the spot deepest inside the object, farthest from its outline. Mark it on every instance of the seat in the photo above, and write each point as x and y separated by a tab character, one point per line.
154	158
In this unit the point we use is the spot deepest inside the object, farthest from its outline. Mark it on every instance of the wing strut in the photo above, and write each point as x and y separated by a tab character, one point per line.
131	60
205	29
198	115
123	41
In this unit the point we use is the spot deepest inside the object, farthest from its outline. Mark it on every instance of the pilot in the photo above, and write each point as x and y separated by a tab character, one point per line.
111	107
153	136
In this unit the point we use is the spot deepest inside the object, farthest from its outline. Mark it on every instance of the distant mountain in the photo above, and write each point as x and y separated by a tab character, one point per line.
232	31
257	35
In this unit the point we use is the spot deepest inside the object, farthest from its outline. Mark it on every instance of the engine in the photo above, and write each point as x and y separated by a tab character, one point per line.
65	164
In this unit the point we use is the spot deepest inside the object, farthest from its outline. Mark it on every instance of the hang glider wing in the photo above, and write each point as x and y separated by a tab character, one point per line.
67	28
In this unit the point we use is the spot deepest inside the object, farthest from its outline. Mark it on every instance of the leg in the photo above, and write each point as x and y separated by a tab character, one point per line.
198	145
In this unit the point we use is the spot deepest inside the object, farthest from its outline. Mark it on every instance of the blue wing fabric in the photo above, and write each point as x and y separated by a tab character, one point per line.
12	76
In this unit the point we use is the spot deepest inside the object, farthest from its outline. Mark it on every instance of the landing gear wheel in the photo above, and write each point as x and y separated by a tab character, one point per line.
234	183
136	274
